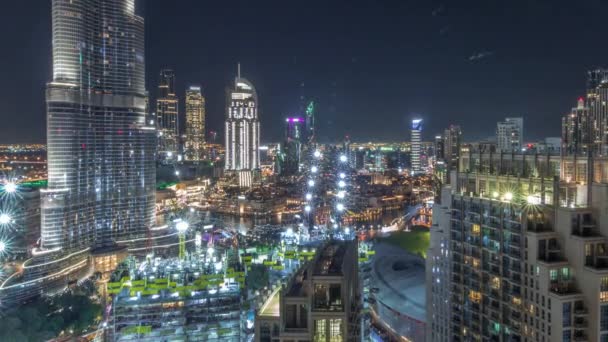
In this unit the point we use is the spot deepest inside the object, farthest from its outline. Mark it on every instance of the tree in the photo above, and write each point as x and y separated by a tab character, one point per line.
257	277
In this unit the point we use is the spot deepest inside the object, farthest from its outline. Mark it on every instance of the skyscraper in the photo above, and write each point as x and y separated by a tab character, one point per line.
416	146
101	174
510	134
310	122
167	109
576	130
195	124
597	97
294	135
242	127
452	138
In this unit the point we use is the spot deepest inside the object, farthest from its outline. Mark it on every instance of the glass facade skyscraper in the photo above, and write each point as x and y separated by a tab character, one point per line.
167	109
101	171
416	146
195	124
242	127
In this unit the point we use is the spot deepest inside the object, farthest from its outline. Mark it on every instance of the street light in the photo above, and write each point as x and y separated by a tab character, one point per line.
308	197
342	175
182	226
314	169
508	196
311	183
341	184
343	158
10	187
5	218
2	247
340	206
341	194
317	154
307	208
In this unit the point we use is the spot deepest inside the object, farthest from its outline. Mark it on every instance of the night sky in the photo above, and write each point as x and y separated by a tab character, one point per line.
370	65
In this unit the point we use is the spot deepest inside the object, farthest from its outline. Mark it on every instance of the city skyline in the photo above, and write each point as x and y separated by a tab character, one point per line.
469	87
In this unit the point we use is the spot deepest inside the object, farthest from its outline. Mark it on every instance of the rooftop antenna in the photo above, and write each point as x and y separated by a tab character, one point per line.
238	66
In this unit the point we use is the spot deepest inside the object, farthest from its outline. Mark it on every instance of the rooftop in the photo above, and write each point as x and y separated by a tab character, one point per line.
330	259
272	305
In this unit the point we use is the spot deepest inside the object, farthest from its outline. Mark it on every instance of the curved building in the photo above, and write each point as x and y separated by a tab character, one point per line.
242	130
101	168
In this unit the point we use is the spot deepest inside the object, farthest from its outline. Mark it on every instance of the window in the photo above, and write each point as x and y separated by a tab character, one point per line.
604	338
320	331
565	273
604	317
566	336
604	289
335	330
553	275
566	314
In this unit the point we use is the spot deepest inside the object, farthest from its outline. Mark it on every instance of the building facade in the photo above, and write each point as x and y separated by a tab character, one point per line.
416	139
526	249
101	175
510	134
321	302
242	127
167	117
194	146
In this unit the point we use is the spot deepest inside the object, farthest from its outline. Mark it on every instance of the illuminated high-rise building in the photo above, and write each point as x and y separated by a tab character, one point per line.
452	138
101	174
576	130
242	127
167	121
416	137
310	122
295	131
597	98
510	134
195	124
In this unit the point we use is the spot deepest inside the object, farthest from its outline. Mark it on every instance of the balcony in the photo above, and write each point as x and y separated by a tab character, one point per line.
599	262
563	288
580	311
580	323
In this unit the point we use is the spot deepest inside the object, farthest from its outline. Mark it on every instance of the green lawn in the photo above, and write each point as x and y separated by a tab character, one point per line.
415	241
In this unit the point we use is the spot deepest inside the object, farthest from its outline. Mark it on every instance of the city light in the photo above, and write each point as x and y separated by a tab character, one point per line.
341	184
317	154
342	175
508	196
182	226
307	208
5	218
314	169
534	200
340	206
308	197
343	158
10	187
311	183
495	194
